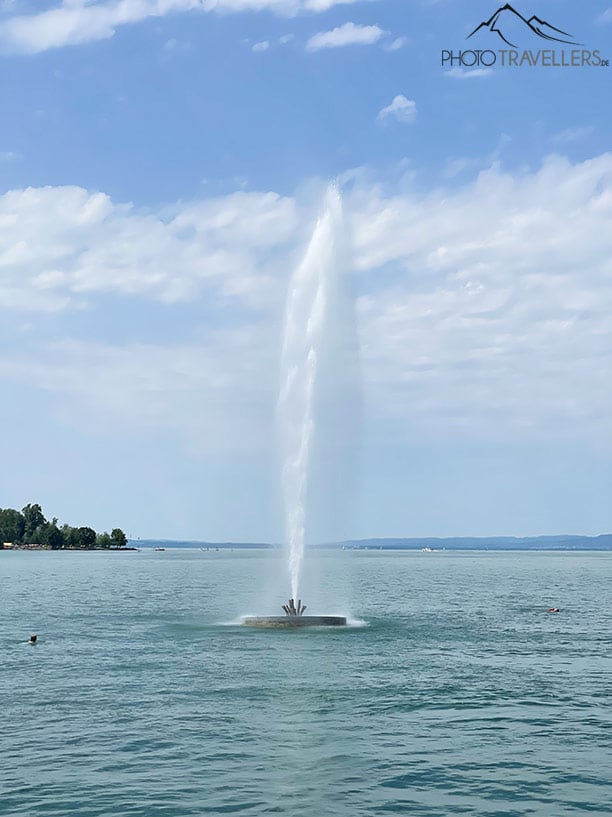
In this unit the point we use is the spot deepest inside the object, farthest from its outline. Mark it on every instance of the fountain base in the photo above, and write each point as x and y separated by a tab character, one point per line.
294	621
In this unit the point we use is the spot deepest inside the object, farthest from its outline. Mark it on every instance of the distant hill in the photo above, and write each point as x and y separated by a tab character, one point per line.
560	542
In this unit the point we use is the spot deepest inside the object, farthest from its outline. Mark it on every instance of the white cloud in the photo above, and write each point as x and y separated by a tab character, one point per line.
402	109
325	5
606	17
496	318
485	309
396	44
75	21
264	45
455	166
90	245
172	47
570	135
151	386
347	34
468	73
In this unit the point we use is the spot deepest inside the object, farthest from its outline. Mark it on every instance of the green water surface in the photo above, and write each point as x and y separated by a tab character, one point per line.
453	693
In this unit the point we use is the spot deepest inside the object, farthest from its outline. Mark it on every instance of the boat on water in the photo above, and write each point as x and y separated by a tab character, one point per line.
159	549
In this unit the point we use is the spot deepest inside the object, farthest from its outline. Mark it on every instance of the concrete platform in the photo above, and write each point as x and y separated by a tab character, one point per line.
294	621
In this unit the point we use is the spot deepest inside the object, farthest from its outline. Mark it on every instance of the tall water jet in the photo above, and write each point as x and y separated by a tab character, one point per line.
318	361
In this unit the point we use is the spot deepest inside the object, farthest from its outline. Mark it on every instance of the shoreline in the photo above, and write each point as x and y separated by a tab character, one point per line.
47	549
327	549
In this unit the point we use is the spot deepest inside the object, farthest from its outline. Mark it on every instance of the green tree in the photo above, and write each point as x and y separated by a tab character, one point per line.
34	520
70	536
103	540
78	537
118	538
30	526
39	535
53	536
12	526
86	537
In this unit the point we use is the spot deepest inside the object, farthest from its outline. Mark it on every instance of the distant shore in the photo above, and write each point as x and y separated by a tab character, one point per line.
65	550
602	542
536	544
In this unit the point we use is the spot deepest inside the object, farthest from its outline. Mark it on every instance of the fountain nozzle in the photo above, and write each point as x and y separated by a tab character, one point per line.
291	610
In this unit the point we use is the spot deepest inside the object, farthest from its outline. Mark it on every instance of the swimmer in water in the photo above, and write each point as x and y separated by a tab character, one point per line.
33	639
553	610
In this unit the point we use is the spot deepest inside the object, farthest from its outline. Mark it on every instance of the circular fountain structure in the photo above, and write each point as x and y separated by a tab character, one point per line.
294	617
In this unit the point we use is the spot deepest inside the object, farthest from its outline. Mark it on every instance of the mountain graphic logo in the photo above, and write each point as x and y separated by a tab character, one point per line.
506	22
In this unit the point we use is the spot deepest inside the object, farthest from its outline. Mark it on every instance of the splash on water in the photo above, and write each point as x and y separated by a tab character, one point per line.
355	622
318	354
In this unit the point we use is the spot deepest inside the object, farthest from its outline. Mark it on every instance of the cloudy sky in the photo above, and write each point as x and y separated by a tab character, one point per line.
162	163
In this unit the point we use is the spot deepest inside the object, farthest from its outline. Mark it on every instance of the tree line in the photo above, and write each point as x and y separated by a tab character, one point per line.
29	527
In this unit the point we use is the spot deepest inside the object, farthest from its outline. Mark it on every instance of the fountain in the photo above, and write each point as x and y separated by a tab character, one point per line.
313	363
294	617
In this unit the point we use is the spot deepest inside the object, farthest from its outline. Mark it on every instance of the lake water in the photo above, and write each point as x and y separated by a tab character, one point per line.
453	693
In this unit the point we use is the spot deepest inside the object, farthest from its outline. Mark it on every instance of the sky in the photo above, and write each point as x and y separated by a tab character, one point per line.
162	165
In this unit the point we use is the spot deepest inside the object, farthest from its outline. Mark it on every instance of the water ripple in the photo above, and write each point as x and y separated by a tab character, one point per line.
137	703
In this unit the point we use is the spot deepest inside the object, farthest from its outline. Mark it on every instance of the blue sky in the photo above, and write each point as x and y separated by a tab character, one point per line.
161	165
